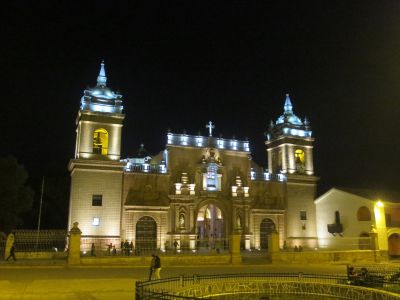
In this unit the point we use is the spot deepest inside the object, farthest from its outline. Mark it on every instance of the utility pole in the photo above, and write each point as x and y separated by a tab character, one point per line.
40	215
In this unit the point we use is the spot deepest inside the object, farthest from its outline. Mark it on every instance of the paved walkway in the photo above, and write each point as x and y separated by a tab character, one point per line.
58	281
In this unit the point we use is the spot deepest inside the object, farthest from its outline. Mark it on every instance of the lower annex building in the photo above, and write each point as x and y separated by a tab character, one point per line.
197	191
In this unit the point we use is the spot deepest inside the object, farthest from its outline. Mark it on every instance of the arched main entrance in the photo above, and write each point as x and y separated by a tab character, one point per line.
146	235
210	228
267	226
394	244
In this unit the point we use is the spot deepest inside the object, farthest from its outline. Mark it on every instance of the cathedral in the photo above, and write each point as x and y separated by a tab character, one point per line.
195	192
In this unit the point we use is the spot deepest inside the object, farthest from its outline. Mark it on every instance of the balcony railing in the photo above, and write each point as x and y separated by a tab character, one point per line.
266	176
146	168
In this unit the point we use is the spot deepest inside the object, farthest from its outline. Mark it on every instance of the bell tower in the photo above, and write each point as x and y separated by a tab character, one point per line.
96	170
289	144
99	122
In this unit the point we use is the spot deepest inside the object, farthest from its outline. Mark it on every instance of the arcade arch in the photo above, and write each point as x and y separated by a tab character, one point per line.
146	235
394	244
267	226
210	227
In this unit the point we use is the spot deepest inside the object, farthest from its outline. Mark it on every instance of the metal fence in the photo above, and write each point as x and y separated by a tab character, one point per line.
104	247
375	275
145	247
42	241
2	248
169	288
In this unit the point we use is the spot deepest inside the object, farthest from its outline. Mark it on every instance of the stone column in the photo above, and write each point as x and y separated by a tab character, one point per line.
234	246
246	220
381	230
74	247
176	227
309	160
291	163
284	159
233	218
374	238
192	242
273	245
9	243
191	219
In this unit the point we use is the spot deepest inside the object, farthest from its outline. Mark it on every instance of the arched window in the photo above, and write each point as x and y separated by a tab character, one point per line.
394	245
100	141
299	155
363	214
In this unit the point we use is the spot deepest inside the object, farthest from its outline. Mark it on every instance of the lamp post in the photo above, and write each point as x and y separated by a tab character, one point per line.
381	230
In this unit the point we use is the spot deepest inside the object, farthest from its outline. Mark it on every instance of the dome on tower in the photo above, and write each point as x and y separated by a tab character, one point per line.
288	124
288	115
101	98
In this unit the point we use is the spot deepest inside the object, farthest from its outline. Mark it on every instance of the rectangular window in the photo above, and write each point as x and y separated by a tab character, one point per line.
96	222
388	219
97	200
303	215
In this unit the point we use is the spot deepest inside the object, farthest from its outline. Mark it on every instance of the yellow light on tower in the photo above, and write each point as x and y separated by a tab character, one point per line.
379	203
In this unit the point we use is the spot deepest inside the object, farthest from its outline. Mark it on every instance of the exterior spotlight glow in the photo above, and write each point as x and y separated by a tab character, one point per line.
379	203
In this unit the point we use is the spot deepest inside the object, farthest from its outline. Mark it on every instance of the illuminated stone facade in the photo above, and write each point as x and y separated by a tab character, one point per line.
358	219
197	191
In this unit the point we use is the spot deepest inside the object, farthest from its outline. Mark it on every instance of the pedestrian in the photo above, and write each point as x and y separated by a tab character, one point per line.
155	267
152	264
176	245
114	251
131	248
92	250
12	253
126	247
109	247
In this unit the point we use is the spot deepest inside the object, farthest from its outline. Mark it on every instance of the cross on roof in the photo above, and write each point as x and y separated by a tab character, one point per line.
210	127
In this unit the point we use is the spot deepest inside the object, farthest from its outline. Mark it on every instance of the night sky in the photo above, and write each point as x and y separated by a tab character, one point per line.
180	64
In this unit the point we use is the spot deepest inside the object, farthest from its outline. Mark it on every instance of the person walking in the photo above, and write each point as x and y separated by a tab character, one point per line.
93	250
12	253
176	245
155	267
152	264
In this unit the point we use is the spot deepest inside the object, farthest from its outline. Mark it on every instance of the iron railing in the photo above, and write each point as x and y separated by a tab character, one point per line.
42	241
146	247
169	288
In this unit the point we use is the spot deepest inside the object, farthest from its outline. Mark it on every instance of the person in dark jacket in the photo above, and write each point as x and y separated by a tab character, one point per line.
155	267
12	253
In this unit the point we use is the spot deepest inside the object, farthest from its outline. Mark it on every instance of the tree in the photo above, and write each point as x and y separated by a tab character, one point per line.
15	196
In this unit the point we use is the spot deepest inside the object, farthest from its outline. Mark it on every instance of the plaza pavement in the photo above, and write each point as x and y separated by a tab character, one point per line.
55	280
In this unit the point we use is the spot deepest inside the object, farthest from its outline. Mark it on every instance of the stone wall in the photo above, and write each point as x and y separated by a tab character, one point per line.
40	255
328	257
173	260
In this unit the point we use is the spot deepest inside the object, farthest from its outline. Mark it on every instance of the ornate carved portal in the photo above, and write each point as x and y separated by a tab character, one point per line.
210	228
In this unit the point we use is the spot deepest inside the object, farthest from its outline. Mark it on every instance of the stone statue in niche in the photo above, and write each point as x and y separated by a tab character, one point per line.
181	220
238	222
